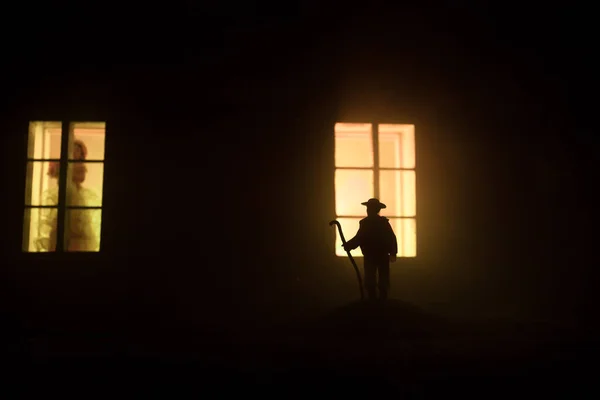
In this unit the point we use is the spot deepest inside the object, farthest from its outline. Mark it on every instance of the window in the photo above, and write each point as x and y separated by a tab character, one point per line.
63	190
376	160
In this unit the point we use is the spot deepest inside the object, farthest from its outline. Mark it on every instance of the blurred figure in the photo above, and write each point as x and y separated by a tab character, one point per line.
79	170
378	244
81	229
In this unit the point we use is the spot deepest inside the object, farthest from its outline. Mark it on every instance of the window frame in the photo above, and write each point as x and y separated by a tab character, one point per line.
67	138
376	169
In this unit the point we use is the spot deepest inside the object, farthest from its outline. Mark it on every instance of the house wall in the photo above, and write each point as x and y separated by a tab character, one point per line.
219	186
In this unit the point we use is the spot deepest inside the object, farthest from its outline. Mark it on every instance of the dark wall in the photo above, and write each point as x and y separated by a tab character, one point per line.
219	174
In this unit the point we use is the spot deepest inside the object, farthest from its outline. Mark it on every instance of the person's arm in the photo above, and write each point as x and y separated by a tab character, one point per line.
355	241
393	242
46	240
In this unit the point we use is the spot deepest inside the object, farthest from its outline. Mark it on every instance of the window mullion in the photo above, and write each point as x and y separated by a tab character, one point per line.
62	186
375	136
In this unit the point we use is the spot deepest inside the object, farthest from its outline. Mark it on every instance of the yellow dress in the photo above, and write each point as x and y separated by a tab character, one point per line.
82	229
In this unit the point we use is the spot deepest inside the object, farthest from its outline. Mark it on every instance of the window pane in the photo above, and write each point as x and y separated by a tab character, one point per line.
39	229
406	235
82	229
398	191
352	187
396	146
353	145
41	184
88	141
44	140
84	184
349	227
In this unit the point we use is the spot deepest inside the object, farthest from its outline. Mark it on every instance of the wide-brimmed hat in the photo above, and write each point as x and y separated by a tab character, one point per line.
374	203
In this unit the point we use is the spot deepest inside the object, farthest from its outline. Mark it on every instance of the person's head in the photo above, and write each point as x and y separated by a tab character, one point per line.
54	169
373	206
79	150
79	170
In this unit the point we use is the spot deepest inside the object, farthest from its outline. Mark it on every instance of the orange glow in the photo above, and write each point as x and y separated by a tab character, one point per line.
350	227
84	184
406	234
396	146
353	186
44	140
93	134
398	187
353	145
405	229
356	173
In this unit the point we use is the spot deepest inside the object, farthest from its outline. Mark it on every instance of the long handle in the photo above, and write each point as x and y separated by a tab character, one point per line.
360	284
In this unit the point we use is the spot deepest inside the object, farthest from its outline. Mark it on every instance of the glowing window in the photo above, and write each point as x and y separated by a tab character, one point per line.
376	160
63	190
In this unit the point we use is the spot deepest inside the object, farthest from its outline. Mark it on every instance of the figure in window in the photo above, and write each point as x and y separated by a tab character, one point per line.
82	226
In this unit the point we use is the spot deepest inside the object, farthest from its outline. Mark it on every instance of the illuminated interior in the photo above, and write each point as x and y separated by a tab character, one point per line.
365	156
82	192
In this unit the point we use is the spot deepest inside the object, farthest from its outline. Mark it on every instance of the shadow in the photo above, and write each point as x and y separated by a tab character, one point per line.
398	347
391	319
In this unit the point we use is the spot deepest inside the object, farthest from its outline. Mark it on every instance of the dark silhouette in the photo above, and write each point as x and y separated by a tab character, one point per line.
360	284
378	243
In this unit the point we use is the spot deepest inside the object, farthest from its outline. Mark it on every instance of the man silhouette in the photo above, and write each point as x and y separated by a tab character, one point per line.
378	243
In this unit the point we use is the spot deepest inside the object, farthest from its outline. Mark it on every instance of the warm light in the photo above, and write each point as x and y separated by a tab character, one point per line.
406	234
396	146
353	145
350	227
356	175
352	187
398	190
84	184
44	140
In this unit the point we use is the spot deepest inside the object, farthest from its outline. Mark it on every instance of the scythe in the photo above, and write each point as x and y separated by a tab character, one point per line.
360	284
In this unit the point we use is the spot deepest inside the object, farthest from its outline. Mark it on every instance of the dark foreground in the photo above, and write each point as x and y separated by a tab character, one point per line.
357	350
